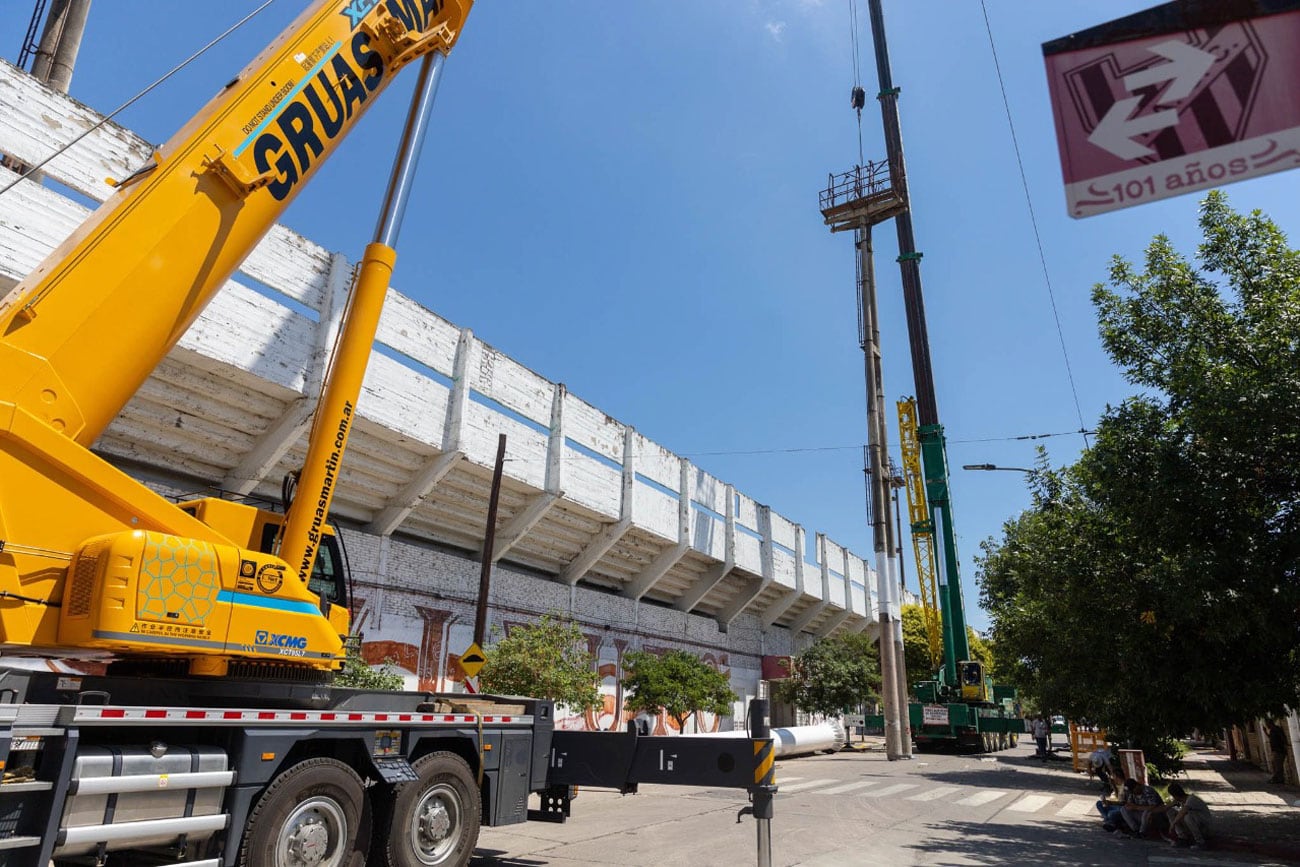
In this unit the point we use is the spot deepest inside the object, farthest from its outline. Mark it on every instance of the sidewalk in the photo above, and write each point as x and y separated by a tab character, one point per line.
1250	813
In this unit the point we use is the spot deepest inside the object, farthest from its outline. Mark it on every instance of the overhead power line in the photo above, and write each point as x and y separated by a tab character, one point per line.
1033	219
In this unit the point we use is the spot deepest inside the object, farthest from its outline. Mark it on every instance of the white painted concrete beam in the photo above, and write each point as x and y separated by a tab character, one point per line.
756	587
511	534
774	611
669	557
814	611
833	623
281	436
422	484
714	575
610	536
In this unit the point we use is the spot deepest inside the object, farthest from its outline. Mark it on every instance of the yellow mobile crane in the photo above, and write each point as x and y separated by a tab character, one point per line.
82	568
215	739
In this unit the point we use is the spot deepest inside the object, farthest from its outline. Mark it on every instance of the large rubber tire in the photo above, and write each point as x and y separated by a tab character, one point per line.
434	821
312	815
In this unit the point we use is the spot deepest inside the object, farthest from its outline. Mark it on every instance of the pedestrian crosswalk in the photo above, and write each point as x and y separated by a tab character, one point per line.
1035	804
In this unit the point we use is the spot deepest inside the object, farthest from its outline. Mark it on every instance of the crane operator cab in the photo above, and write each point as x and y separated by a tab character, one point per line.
970	675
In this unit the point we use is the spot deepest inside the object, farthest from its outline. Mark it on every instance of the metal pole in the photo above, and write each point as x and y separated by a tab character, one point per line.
489	540
60	42
900	680
869	339
408	155
898	542
763	789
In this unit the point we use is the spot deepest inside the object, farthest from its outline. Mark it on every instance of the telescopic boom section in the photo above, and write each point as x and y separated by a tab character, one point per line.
342	384
81	334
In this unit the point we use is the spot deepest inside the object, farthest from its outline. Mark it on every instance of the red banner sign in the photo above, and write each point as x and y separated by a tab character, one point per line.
1178	98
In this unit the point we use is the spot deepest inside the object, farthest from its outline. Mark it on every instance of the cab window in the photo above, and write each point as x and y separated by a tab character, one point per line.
327	575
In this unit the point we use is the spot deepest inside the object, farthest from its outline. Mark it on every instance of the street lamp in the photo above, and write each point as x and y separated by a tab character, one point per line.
995	467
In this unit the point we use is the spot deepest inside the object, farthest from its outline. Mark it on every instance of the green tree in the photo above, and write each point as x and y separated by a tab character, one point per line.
356	673
1152	586
679	682
916	648
981	649
832	675
546	659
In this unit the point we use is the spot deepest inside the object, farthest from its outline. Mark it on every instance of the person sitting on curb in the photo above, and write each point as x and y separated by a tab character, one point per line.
1189	819
1142	806
1112	818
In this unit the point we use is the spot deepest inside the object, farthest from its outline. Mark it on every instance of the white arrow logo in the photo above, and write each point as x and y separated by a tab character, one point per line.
1186	67
1116	130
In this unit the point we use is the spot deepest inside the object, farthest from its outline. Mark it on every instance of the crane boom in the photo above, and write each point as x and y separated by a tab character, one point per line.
90	559
918	513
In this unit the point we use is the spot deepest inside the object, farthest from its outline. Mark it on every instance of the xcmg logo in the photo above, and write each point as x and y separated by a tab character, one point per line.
275	639
415	14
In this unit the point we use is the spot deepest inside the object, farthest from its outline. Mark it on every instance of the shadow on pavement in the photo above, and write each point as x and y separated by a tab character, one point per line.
981	843
498	858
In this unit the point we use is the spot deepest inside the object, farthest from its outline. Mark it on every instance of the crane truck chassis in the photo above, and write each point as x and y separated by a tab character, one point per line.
138	771
215	737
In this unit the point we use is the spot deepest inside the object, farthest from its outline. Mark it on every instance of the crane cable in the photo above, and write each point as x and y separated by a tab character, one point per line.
106	118
1033	220
858	96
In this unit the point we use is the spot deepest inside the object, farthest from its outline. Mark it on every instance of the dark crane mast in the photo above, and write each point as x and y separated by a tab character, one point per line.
934	450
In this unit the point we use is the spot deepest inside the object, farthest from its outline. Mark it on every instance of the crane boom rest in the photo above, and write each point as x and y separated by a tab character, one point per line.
93	561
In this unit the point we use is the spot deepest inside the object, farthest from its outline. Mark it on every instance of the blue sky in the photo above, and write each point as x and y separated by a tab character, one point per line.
623	197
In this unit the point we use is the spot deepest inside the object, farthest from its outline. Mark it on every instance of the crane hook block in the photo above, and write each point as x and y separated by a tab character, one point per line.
859	98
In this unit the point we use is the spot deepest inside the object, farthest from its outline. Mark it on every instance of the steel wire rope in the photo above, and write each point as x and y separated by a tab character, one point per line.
193	57
857	72
1033	220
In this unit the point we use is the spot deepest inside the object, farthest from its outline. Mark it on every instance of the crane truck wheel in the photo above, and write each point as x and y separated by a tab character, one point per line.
434	821
312	815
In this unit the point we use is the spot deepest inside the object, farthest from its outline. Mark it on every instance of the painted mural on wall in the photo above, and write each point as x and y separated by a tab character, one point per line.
422	639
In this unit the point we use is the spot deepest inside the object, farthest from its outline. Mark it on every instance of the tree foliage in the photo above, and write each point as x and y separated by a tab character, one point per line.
357	674
1152	586
832	675
679	682
916	648
546	659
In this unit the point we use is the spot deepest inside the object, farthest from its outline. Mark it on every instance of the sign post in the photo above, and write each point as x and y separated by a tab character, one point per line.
1181	97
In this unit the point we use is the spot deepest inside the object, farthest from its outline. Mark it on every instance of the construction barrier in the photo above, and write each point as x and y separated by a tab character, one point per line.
1083	741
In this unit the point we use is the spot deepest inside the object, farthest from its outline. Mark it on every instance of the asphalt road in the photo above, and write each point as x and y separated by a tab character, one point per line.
850	809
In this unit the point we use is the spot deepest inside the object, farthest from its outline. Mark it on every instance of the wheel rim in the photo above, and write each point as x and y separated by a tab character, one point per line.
312	835
435	824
